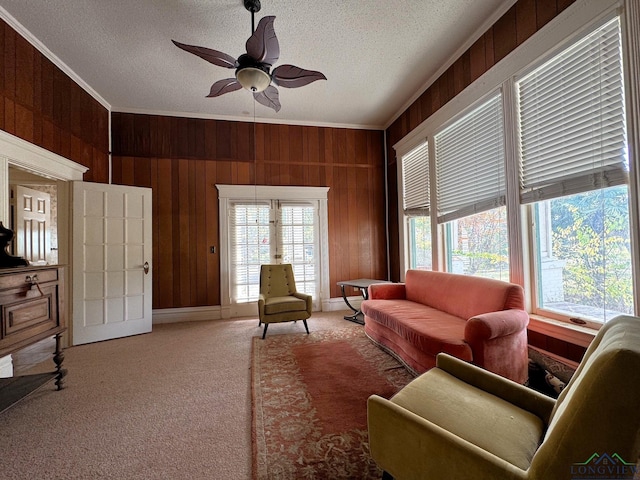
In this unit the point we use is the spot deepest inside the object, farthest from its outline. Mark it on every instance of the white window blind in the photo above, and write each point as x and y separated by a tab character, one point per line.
470	162
572	120
297	243
250	238
415	181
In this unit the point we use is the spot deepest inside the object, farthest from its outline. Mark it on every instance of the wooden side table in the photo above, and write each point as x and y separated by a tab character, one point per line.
361	284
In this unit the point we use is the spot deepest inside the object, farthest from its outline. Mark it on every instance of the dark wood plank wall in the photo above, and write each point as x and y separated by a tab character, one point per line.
524	19
42	105
183	158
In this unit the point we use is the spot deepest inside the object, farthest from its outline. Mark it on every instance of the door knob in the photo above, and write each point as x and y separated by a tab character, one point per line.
146	268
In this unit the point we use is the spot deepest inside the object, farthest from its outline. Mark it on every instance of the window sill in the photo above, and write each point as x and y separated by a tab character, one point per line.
561	330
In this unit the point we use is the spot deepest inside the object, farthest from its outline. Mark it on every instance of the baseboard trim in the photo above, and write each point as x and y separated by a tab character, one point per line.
336	304
186	314
217	312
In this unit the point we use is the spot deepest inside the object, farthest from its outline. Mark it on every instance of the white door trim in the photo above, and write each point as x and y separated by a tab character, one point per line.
40	161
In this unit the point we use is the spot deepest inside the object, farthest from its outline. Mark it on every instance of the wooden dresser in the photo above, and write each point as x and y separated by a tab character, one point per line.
32	309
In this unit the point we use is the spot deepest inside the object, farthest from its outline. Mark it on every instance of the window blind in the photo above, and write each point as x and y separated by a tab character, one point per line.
470	162
415	181
250	247
572	120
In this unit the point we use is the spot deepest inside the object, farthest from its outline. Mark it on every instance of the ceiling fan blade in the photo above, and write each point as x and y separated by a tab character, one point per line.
290	76
224	86
263	45
269	98
212	56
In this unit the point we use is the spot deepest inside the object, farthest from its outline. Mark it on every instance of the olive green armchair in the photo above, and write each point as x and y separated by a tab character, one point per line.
458	421
279	301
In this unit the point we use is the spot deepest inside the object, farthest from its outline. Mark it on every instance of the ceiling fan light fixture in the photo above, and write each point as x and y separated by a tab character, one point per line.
253	69
253	79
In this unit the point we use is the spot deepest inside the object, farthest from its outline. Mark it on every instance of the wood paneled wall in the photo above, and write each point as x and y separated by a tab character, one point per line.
42	105
559	347
522	20
183	159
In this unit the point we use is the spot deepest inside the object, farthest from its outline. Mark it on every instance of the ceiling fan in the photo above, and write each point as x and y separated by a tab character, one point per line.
252	68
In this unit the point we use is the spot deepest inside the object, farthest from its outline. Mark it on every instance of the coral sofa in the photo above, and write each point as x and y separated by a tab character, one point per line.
476	319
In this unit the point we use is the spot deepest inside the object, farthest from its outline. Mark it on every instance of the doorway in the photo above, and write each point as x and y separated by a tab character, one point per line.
263	224
274	231
33	217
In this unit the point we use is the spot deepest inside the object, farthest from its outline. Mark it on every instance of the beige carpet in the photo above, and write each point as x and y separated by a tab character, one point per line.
172	404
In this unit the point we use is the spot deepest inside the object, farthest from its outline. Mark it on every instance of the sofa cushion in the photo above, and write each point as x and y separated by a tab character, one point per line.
462	295
429	330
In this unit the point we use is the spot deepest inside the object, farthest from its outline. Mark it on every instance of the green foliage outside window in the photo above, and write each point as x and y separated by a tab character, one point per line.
591	233
481	245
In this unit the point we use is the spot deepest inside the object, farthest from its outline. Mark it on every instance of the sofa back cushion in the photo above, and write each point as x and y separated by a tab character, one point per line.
462	295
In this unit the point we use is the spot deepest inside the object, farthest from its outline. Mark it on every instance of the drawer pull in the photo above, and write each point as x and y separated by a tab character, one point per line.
33	280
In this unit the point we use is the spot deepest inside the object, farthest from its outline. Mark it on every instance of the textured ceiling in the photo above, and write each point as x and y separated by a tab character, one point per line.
376	54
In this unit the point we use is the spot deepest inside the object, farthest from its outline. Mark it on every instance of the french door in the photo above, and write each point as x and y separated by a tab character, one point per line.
272	231
267	224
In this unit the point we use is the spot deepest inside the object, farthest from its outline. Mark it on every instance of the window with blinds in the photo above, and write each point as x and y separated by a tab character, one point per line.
470	162
572	119
415	181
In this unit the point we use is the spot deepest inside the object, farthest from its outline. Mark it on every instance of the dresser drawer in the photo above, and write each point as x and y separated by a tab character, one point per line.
27	278
29	317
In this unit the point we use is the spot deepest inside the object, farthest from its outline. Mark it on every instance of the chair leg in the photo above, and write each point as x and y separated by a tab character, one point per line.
305	326
265	330
259	322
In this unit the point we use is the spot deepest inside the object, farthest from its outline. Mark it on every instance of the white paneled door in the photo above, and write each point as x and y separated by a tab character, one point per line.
112	284
32	224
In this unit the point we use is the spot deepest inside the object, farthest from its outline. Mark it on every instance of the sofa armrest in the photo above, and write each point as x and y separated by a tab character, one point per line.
387	291
407	445
306	298
510	391
495	324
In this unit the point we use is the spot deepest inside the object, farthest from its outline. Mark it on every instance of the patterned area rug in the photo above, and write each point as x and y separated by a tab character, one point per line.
310	403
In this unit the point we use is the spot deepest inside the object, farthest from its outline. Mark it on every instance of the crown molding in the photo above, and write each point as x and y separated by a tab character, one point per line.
42	48
246	119
504	8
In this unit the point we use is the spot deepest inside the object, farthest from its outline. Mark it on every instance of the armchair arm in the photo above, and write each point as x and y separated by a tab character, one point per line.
512	392
495	324
409	446
386	291
306	298
261	302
